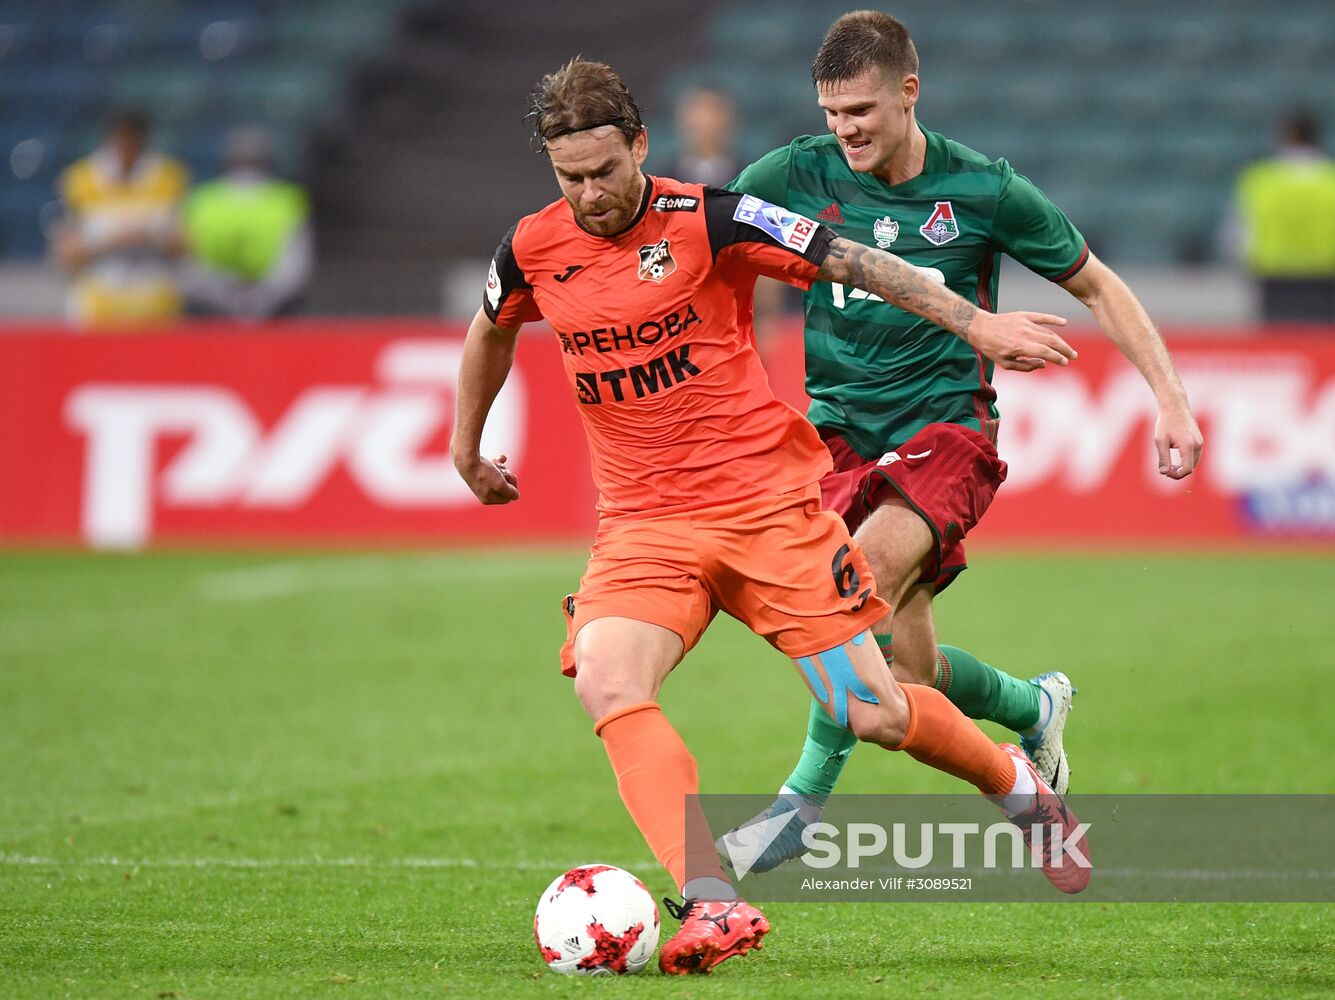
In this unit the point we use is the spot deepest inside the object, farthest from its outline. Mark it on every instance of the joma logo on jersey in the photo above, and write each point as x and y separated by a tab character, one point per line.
656	261
654	376
940	227
605	339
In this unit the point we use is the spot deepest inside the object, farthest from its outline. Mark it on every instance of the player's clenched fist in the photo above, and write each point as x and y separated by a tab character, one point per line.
491	480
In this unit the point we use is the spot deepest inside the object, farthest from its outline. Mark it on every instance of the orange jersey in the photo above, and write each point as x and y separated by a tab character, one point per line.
655	331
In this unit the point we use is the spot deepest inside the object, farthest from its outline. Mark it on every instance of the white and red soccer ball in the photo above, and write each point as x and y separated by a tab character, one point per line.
596	920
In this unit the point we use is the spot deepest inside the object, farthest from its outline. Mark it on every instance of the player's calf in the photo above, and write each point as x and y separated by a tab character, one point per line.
910	668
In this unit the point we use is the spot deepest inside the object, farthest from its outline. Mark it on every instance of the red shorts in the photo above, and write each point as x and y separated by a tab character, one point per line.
783	566
947	473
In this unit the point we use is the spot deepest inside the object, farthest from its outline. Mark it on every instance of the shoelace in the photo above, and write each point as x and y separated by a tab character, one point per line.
1043	813
679	911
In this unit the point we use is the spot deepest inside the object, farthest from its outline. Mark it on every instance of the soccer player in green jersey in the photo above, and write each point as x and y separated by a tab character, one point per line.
908	413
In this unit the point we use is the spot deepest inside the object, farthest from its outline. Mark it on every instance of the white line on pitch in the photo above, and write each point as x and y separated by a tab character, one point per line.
280	579
117	862
1191	874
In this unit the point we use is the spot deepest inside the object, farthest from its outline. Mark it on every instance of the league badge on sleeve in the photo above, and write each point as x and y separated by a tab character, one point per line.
941	227
885	230
788	228
493	287
656	261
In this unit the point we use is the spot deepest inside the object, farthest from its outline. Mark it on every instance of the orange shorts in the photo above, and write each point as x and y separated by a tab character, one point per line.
781	565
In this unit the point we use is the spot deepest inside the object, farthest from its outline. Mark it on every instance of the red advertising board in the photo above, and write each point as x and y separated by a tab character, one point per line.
335	433
1083	467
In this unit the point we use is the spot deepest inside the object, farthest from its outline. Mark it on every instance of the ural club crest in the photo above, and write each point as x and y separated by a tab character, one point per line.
656	261
886	231
941	227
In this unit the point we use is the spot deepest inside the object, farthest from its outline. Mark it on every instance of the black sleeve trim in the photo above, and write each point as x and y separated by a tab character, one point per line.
1074	269
504	277
722	211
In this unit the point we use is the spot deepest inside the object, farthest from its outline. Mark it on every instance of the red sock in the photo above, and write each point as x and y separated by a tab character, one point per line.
655	773
943	737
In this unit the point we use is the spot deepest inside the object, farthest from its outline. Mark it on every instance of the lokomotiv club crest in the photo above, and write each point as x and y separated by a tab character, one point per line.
941	227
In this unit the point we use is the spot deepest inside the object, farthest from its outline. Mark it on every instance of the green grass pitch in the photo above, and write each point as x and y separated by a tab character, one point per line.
350	775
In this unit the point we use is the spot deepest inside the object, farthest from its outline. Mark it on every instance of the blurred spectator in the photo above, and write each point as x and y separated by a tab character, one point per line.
706	119
1285	225
249	234
119	233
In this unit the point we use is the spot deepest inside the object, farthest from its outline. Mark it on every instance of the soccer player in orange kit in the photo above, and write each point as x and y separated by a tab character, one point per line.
709	493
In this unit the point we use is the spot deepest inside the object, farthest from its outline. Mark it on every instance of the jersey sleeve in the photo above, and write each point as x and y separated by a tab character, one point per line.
764	238
1035	232
767	178
508	298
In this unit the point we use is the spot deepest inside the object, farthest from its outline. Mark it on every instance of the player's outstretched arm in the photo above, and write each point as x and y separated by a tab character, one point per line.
489	352
1122	317
1020	341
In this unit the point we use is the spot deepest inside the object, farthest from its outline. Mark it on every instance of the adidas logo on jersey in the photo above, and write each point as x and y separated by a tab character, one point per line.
831	213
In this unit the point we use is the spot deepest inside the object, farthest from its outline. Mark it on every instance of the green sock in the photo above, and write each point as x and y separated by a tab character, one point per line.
823	755
981	691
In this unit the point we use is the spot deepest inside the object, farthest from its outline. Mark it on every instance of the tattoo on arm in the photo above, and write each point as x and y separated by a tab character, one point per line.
897	281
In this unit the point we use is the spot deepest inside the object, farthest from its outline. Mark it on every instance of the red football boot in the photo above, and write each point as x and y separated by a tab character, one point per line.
710	932
1050	812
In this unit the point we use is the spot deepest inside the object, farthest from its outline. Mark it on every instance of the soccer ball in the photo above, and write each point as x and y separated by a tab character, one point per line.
596	920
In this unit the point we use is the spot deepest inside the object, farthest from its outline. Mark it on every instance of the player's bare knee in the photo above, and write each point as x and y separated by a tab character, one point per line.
885	723
603	685
867	722
878	724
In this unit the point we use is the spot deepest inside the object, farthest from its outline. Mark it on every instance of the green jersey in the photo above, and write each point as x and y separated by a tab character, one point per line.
877	374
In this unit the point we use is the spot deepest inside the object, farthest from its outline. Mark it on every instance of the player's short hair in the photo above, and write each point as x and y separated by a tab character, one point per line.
863	40
581	95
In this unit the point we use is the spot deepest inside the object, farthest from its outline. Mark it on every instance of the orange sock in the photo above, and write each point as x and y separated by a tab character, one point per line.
655	773
943	737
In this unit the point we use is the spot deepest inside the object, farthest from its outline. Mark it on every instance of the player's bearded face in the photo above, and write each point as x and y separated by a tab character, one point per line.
870	117
599	174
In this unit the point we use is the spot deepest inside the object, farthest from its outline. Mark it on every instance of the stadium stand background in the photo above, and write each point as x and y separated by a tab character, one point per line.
404	117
